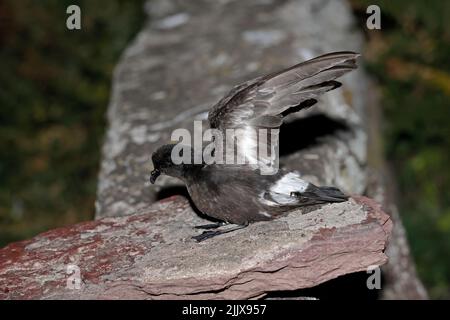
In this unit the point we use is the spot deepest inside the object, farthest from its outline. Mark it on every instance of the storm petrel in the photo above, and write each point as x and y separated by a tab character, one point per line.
240	194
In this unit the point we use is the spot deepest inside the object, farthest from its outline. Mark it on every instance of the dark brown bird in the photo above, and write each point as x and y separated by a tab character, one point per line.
240	194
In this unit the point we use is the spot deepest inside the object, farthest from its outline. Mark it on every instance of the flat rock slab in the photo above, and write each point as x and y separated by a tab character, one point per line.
151	255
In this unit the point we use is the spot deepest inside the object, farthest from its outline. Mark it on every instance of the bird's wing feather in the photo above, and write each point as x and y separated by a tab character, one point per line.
263	102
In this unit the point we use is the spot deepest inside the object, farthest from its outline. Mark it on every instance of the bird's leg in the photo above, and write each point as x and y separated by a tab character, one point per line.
211	225
210	234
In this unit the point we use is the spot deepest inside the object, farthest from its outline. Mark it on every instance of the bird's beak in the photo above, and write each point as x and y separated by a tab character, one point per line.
154	175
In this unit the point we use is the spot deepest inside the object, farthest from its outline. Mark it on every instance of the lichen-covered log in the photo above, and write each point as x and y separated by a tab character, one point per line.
151	255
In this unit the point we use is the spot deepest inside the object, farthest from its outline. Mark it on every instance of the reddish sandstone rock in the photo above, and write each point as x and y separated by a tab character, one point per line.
151	255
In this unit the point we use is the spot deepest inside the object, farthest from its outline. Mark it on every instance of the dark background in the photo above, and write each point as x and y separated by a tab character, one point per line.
54	91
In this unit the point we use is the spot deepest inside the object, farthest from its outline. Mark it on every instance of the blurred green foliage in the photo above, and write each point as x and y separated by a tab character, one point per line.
54	89
410	58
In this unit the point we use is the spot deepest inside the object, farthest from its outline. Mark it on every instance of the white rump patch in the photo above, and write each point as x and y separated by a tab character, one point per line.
281	190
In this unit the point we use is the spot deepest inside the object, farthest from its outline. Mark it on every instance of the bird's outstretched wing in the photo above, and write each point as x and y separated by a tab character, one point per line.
263	102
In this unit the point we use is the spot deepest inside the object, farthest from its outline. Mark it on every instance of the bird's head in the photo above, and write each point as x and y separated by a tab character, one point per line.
172	162
162	162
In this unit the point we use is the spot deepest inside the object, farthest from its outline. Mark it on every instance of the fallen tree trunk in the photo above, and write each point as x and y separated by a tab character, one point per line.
151	255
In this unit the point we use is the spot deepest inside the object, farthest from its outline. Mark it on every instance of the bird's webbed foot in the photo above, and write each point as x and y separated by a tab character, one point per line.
206	235
213	233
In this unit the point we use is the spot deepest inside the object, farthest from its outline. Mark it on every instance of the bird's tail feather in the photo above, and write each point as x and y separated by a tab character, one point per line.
332	193
324	194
